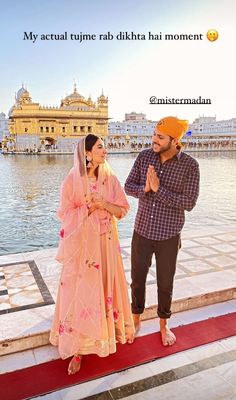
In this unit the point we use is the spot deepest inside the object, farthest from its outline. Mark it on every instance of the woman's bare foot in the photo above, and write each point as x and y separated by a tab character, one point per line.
137	323
74	365
167	336
130	338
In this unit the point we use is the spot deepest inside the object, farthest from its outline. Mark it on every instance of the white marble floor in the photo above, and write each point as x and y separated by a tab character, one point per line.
206	265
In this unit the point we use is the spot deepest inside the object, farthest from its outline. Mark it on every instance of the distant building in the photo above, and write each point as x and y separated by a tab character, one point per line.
135	133
4	132
133	116
135	124
207	125
33	126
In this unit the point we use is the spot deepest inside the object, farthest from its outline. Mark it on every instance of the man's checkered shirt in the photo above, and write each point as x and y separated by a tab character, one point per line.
160	215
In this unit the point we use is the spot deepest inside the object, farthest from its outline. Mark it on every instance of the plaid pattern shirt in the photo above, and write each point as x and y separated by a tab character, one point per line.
160	214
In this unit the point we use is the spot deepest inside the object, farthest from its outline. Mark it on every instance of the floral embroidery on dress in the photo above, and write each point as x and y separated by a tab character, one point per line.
92	264
61	329
93	185
65	326
62	233
116	315
109	300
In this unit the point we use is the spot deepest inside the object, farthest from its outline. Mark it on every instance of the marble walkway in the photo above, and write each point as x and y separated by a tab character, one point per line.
206	274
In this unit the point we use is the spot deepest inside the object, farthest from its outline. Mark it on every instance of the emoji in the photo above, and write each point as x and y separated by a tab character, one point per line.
212	35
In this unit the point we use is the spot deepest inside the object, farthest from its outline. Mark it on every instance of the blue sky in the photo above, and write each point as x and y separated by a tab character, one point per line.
129	72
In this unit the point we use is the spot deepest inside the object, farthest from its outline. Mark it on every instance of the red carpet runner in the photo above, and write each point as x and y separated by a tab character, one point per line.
52	375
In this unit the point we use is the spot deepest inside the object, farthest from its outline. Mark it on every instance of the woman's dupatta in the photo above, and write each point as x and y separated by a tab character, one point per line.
80	302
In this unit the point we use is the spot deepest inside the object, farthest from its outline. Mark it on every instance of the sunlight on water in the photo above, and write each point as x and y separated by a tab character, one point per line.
30	194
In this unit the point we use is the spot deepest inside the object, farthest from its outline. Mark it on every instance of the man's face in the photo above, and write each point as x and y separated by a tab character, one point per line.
161	142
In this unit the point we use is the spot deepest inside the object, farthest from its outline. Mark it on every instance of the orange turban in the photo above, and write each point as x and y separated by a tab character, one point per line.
173	127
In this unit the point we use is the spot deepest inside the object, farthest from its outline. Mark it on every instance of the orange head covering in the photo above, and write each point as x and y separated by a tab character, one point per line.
173	127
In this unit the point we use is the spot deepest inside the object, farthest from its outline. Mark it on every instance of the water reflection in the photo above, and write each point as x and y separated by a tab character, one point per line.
30	195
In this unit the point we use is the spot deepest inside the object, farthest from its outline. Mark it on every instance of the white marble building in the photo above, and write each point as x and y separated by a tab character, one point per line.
3	126
208	125
135	130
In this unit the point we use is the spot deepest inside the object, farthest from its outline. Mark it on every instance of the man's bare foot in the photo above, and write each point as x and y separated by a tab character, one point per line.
74	365
167	336
137	323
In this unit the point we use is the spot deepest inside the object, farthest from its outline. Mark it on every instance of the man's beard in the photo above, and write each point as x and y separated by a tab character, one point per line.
165	148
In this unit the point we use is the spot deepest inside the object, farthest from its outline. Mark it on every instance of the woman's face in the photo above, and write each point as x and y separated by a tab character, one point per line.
98	153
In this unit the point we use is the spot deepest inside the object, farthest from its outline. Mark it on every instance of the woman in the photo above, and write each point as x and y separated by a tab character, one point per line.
92	309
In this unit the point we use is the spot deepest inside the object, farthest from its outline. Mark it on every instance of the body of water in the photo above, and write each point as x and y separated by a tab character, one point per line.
30	194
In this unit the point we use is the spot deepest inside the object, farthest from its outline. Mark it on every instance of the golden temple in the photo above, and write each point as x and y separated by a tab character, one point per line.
33	125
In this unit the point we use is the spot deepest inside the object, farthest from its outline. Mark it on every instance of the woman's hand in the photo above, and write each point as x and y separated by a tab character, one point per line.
97	203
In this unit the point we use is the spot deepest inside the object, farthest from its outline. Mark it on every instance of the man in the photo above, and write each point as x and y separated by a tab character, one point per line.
166	182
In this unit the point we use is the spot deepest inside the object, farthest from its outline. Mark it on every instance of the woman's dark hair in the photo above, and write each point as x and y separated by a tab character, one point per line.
90	141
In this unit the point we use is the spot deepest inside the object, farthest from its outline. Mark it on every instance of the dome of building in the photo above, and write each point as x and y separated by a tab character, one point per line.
75	101
75	95
22	91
